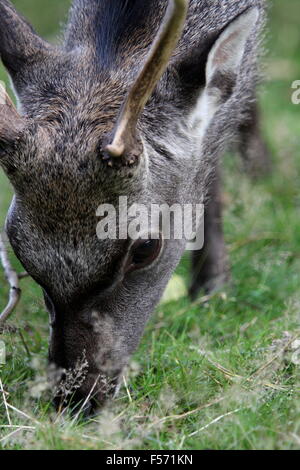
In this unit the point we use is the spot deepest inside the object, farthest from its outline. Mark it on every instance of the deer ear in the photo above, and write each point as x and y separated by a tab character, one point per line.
223	65
19	44
228	51
12	125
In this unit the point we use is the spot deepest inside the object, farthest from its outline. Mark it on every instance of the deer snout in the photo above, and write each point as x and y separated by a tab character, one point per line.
82	391
89	398
84	381
87	355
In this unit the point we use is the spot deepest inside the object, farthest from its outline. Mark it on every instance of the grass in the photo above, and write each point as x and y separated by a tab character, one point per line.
217	374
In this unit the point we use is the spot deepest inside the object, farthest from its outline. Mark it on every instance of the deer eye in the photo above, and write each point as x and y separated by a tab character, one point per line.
143	253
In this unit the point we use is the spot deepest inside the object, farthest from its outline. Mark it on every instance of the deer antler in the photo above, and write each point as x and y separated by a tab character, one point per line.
11	123
124	135
13	279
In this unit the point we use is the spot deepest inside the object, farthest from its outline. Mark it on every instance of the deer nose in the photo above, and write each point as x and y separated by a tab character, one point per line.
77	405
85	399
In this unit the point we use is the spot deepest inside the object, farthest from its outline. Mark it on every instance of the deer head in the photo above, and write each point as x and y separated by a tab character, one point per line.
136	102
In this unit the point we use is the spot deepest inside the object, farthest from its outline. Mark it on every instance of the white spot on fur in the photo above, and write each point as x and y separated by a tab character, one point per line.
109	354
225	56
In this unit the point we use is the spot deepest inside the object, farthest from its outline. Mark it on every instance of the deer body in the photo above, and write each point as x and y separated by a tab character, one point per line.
140	99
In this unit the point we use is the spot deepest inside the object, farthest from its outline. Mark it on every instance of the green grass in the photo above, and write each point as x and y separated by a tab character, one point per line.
220	374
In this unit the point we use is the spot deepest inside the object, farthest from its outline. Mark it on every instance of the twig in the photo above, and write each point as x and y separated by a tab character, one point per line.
215	421
233	376
86	400
11	426
123	412
96	439
13	280
276	356
294	436
5	402
11	407
188	413
15	432
17	428
127	389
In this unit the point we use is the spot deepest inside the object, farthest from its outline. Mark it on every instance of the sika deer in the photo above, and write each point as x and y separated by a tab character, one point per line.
139	100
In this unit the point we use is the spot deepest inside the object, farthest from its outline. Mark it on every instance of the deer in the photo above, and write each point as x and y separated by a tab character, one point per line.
141	99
